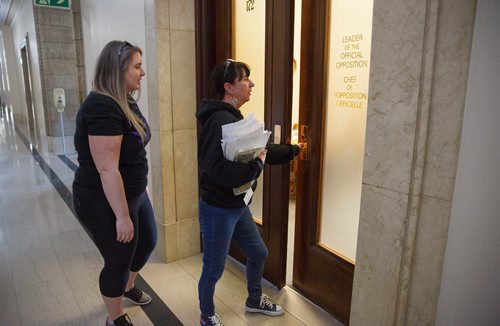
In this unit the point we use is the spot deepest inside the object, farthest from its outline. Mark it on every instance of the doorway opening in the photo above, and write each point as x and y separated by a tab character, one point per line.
294	137
301	50
30	108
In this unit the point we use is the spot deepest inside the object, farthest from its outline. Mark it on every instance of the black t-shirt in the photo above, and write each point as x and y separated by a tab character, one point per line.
100	115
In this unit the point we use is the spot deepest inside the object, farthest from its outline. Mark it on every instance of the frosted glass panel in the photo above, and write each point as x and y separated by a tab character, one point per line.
249	21
347	98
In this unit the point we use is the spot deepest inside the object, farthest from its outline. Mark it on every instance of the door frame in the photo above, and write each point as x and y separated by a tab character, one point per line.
214	44
24	54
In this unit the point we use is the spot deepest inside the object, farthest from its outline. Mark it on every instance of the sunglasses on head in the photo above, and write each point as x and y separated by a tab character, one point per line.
124	45
228	63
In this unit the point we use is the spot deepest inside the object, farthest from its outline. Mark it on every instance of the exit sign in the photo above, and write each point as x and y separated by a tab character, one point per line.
61	4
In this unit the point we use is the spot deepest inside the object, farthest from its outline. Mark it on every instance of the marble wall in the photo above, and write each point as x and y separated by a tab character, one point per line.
59	41
419	66
171	73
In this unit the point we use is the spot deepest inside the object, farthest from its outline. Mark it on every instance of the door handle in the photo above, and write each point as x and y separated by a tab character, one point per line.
277	134
304	139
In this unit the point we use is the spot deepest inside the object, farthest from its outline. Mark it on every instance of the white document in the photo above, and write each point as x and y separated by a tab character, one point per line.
248	196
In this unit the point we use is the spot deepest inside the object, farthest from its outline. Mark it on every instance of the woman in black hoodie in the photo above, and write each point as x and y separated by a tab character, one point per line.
223	215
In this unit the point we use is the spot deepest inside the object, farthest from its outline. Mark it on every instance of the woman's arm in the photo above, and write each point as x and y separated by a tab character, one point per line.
105	151
281	154
220	170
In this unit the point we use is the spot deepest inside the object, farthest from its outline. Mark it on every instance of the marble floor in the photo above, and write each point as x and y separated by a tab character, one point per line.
49	267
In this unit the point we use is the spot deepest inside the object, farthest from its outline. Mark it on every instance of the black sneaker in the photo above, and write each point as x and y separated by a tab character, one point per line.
137	296
263	306
210	321
123	320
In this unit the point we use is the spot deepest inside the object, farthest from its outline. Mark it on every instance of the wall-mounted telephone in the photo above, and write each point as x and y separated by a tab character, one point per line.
59	99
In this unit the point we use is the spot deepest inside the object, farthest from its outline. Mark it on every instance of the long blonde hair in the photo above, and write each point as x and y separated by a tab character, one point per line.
109	74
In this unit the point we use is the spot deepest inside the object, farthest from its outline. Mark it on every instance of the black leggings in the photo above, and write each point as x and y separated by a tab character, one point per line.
95	213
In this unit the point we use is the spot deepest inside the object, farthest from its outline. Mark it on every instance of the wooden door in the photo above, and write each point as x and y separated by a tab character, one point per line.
322	274
214	41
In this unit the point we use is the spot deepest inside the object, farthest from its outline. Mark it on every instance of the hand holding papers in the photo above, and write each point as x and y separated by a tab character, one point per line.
241	137
243	141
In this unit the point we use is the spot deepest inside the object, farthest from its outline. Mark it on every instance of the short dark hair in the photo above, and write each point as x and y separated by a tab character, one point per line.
227	72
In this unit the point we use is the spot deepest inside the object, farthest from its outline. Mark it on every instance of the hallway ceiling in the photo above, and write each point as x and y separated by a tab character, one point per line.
8	10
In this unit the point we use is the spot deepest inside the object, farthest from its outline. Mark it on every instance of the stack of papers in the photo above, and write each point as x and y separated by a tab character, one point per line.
242	138
242	141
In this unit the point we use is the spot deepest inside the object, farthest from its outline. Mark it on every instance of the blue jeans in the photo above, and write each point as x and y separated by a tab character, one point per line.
218	226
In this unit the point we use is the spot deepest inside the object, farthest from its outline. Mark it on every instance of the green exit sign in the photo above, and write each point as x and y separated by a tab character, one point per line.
61	4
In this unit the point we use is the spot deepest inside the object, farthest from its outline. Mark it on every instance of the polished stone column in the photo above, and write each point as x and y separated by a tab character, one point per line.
418	78
60	53
171	73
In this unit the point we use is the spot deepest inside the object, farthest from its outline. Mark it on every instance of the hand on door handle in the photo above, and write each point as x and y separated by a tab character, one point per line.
303	152
304	130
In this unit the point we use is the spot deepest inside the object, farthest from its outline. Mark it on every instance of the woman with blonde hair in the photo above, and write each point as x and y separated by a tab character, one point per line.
109	190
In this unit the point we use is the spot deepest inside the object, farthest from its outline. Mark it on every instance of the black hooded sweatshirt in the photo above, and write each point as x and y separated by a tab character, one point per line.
218	176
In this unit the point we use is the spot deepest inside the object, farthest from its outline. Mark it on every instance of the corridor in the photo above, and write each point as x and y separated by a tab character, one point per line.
49	267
